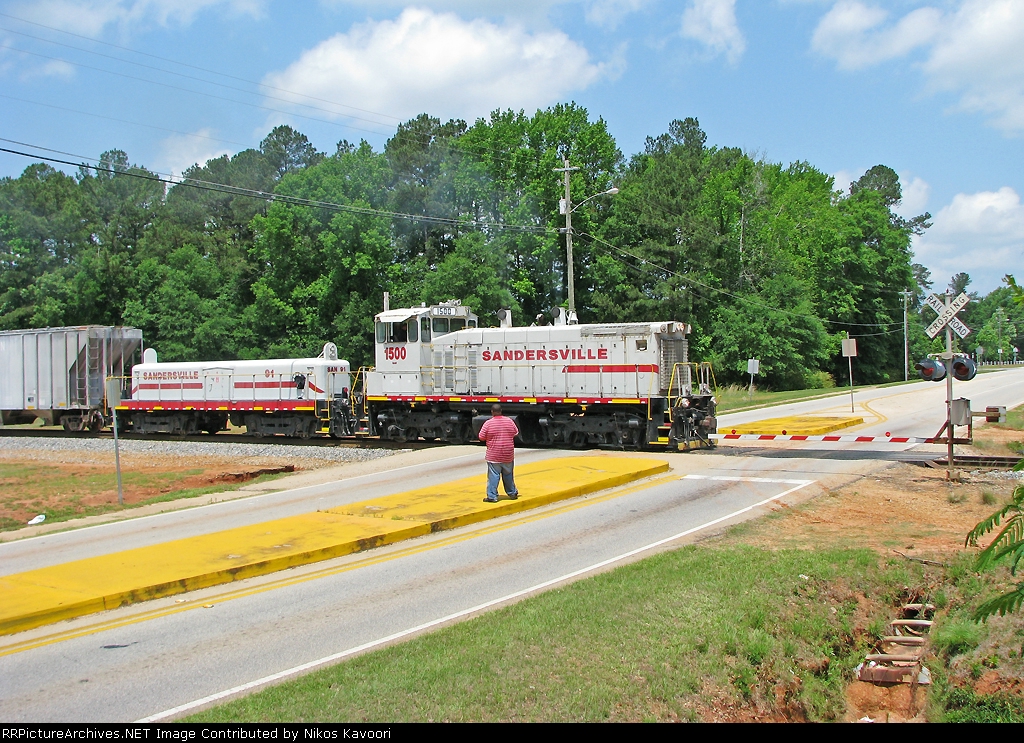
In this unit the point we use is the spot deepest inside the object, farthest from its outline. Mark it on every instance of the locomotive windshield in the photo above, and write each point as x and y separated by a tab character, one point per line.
397	332
443	325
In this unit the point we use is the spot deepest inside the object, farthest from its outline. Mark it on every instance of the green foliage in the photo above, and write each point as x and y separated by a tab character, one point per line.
964	705
954	637
1008	544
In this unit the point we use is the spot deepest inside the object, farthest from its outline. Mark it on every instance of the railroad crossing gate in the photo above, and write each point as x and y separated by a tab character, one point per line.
947	315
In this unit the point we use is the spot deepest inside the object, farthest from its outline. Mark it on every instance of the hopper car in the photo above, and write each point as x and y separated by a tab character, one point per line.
57	374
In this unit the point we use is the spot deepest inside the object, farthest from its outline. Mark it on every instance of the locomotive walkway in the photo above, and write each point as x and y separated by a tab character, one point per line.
47	595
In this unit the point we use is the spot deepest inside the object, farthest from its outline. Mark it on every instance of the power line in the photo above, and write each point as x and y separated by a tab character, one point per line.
197	92
737	297
192	66
426	141
121	121
285	199
181	74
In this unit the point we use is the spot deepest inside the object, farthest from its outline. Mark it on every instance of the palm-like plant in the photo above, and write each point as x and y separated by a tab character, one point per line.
1009	543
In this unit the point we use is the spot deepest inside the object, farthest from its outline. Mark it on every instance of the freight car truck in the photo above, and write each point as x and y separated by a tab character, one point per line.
57	374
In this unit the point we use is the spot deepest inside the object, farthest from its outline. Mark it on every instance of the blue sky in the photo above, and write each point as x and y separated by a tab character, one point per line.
932	88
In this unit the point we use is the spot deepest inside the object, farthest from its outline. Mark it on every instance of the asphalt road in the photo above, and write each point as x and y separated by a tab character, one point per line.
164	657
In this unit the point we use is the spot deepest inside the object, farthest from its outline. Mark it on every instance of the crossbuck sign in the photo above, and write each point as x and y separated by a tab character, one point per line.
947	315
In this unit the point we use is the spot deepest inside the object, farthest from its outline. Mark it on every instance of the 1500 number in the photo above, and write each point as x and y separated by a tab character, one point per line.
394	353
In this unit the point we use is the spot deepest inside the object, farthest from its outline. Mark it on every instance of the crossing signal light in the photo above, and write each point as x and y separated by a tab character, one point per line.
964	368
931	369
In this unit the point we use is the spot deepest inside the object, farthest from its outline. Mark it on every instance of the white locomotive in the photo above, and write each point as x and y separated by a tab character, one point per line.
624	385
295	397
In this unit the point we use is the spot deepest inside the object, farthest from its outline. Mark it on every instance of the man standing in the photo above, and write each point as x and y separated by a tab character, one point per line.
499	433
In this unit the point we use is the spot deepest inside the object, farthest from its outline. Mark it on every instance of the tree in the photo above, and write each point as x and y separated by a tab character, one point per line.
958	284
288	151
882	180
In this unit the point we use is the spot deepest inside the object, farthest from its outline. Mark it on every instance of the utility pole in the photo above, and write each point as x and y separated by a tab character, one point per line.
906	338
951	473
566	208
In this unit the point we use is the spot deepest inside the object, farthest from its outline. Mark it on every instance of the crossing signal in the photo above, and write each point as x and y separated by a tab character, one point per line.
964	368
931	369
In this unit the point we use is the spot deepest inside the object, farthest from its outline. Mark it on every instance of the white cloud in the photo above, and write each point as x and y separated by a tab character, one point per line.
713	23
606	13
916	192
92	17
179	152
850	34
609	13
842	180
980	233
980	57
972	49
426	61
53	68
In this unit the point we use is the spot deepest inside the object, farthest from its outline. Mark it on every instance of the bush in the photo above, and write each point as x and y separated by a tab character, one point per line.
819	380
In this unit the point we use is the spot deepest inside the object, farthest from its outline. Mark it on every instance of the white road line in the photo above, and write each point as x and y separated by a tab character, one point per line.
467	612
725	478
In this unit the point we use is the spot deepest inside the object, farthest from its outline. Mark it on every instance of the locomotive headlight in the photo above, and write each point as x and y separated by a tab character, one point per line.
685	403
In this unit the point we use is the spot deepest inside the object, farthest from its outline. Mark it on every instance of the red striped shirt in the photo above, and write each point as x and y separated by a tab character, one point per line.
499	432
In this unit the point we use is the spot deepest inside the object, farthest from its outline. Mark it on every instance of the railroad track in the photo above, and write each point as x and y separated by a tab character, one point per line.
219	438
966	461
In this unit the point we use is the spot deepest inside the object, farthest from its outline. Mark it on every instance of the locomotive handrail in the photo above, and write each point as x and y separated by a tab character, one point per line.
703	371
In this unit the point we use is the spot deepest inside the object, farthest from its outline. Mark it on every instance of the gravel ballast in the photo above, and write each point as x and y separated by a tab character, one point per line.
88	450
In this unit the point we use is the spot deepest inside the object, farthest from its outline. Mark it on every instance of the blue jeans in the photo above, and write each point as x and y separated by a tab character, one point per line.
504	471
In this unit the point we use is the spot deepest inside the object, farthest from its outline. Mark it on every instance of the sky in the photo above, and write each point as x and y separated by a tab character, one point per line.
931	88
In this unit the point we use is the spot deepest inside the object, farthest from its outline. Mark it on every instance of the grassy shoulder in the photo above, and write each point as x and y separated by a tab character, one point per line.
730	632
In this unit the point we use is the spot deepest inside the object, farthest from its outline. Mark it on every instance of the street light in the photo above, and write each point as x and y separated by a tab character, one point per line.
565	207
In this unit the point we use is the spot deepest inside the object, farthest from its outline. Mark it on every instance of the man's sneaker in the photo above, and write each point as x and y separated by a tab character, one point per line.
513	496
490	500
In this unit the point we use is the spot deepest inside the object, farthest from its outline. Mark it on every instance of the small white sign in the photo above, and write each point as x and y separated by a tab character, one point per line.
849	347
753	366
113	390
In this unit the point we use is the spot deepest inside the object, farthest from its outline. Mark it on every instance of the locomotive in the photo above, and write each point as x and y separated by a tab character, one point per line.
622	385
294	397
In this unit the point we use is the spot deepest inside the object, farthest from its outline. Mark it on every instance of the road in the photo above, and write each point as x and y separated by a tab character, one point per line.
166	657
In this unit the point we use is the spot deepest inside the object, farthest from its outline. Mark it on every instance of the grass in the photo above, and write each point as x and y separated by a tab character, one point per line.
963	705
1014	419
33	487
668	638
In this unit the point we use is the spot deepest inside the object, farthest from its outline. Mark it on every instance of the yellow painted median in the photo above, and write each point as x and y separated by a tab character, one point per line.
73	589
797	425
